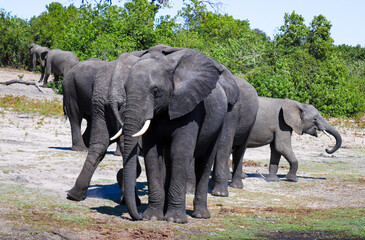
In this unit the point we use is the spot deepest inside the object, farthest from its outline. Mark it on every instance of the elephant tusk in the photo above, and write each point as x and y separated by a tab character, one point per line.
143	130
119	133
325	133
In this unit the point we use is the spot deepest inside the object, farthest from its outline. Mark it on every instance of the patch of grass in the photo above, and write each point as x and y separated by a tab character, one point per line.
279	223
24	104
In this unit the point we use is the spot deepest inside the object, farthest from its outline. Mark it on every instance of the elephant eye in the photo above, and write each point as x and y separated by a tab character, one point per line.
156	92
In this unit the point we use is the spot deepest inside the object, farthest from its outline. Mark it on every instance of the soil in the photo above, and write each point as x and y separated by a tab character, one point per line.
35	154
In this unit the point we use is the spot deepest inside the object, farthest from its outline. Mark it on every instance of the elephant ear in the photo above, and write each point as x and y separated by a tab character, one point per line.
292	112
44	58
194	76
226	80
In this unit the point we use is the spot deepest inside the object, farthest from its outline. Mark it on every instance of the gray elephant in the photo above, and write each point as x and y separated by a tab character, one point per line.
235	140
107	107
275	121
58	62
177	100
38	52
77	88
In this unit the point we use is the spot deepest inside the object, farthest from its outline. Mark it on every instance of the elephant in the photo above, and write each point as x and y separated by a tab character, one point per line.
77	88
38	52
238	130
276	119
107	107
177	100
58	62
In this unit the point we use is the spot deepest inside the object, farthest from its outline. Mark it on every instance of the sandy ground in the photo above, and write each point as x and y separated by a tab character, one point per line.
35	153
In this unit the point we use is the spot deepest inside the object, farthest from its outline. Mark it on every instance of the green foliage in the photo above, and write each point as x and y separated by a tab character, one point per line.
14	40
300	63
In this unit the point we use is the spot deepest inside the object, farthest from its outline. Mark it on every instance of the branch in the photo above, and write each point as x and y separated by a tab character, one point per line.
24	82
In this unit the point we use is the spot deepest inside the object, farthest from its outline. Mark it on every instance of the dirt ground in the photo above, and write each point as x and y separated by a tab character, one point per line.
35	155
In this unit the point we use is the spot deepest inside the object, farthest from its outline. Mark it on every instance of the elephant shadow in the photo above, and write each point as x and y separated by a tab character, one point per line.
69	149
281	176
112	192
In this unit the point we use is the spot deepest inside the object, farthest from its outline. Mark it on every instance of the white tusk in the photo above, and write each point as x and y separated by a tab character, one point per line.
117	135
324	131
143	130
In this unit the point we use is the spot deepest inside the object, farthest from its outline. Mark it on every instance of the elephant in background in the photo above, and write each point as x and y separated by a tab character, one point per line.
107	107
238	127
38	52
58	62
176	100
275	121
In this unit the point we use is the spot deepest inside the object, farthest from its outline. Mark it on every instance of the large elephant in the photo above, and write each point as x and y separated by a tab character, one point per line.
77	88
237	129
38	52
177	100
275	121
108	102
58	62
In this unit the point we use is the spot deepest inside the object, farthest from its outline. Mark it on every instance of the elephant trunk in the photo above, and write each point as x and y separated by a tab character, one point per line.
130	154
333	132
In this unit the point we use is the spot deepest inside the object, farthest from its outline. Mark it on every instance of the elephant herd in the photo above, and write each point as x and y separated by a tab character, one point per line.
184	112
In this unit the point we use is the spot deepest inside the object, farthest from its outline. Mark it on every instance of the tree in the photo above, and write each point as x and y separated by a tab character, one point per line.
319	37
294	32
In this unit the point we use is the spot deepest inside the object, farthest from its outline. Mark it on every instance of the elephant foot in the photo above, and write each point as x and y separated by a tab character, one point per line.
292	177
244	175
220	190
153	214
201	213
176	216
272	179
79	148
237	184
76	195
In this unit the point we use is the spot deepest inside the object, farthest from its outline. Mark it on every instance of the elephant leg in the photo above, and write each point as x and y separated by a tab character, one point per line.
42	72
237	155
96	153
274	164
203	166
191	181
56	80
155	169
225	142
293	162
34	61
181	154
78	143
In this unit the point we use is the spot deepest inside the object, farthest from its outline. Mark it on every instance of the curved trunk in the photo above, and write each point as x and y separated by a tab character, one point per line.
333	132
132	125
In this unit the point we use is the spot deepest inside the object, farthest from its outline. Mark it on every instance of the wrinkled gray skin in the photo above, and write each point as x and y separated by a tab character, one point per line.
77	88
275	121
58	62
108	100
38	52
237	129
186	95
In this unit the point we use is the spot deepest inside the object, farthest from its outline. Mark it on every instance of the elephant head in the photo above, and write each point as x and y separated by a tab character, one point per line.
305	118
169	81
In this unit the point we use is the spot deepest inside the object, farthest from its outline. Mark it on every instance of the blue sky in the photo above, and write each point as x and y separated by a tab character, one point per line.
347	16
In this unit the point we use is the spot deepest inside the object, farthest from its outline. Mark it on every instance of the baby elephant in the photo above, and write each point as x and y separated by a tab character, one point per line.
275	120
